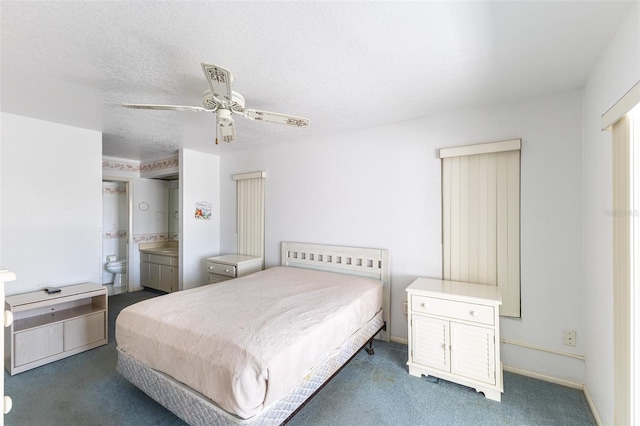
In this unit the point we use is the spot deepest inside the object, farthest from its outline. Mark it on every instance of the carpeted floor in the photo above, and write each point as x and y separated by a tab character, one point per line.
86	390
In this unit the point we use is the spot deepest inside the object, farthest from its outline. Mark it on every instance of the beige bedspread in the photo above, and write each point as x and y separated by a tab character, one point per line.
245	343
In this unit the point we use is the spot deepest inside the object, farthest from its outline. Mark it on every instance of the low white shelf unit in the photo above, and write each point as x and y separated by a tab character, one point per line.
48	327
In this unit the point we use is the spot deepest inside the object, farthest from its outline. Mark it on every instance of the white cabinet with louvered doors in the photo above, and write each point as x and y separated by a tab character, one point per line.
454	333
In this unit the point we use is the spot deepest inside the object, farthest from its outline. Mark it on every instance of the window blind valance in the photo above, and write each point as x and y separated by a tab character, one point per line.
620	108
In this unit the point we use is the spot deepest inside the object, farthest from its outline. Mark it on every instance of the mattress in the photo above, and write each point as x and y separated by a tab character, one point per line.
197	410
245	343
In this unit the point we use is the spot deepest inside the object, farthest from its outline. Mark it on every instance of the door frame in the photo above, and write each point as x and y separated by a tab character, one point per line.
130	244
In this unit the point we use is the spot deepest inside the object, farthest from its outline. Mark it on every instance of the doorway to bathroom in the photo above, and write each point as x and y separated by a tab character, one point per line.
116	225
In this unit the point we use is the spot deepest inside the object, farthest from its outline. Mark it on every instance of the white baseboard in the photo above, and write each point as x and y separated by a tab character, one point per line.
543	377
558	381
540	376
592	406
399	340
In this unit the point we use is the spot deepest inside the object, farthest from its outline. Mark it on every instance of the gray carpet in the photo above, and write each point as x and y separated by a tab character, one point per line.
86	390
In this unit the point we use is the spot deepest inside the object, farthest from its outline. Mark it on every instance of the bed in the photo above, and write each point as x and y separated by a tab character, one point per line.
253	350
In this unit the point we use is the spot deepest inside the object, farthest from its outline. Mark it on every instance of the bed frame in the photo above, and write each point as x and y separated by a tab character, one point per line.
196	409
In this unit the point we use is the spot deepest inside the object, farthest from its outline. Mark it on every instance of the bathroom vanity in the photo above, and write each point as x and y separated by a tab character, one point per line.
159	267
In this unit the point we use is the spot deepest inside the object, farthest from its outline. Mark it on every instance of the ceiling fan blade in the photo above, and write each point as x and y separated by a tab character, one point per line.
274	117
226	127
219	80
168	107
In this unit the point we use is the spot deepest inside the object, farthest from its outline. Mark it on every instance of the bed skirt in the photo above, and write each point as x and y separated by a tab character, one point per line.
195	409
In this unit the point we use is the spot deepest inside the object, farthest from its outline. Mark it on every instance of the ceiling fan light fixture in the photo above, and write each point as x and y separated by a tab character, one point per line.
224	118
226	129
221	100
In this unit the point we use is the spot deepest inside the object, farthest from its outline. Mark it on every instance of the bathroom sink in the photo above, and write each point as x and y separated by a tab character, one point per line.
169	251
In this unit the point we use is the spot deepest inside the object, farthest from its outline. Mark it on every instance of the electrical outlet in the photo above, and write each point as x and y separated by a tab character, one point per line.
405	308
569	337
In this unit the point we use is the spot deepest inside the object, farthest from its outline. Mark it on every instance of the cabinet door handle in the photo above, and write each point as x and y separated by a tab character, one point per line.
424	305
472	313
227	270
7	404
8	318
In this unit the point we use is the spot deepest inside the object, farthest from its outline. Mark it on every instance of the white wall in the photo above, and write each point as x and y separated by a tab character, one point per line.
51	203
381	188
199	239
616	72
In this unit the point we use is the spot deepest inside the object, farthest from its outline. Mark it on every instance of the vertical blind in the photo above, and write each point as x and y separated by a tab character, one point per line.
622	262
250	220
481	217
623	119
626	250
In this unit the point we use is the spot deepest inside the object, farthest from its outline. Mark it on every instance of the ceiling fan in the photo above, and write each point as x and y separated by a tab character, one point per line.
219	98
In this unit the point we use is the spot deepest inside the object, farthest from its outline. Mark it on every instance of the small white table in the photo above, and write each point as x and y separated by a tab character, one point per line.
229	266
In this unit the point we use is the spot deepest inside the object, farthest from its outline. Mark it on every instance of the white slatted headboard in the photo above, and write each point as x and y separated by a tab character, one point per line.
365	262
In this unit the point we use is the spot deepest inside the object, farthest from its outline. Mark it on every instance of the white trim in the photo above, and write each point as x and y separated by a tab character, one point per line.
561	382
251	175
543	377
542	349
539	376
620	108
399	340
634	248
592	406
482	148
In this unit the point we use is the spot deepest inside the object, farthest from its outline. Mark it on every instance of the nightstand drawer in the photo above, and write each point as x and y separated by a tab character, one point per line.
221	269
452	309
215	278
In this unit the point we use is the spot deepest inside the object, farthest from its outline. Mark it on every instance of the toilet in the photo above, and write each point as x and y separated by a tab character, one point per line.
118	267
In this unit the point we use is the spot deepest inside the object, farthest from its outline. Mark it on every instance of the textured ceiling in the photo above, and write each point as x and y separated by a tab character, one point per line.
343	65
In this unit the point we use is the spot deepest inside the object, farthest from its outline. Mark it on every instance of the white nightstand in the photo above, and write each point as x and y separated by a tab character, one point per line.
454	333
229	266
